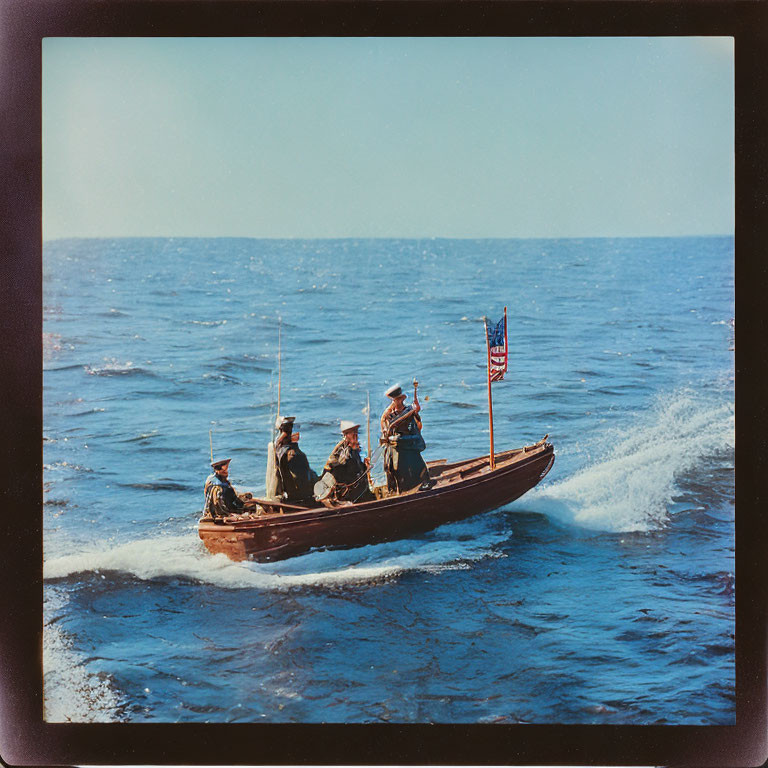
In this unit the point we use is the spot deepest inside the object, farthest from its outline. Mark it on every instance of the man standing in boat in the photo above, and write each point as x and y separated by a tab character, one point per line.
348	469
296	476
401	436
221	499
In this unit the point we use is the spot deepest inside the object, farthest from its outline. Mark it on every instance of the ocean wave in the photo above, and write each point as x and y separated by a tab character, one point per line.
241	363
65	466
138	438
88	412
217	376
185	558
633	484
116	368
457	404
52	368
160	485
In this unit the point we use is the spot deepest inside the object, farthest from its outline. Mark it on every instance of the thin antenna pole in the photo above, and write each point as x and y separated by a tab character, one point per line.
210	440
279	363
491	457
368	411
368	417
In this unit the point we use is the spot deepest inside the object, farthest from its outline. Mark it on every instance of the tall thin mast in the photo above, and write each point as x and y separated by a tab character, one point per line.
271	483
368	419
279	364
492	458
368	416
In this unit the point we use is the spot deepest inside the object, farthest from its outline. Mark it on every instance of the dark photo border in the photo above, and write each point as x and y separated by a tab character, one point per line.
25	739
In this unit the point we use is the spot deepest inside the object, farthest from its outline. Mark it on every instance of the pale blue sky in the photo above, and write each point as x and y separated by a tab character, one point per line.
387	137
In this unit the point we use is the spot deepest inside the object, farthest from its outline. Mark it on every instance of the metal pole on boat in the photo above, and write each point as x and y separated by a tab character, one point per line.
271	482
492	459
368	424
368	418
279	363
210	440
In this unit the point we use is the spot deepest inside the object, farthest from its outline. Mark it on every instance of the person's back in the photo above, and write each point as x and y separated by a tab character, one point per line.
296	476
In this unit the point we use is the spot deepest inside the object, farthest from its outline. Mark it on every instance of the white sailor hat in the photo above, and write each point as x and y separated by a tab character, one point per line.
347	425
394	391
284	421
219	463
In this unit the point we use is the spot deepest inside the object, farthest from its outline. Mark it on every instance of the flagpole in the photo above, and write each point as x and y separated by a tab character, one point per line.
492	460
506	345
279	363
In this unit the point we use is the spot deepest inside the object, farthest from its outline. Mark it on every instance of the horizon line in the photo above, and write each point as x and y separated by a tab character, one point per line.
383	237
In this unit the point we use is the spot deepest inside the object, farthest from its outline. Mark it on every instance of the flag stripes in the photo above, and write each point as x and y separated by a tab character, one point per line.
498	352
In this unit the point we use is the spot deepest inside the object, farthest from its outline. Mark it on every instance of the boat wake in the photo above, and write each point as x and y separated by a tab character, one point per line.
184	557
634	480
72	692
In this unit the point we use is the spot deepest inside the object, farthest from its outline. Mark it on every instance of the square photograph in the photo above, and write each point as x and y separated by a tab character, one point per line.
389	380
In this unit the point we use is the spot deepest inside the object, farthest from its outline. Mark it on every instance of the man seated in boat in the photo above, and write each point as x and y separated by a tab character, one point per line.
349	471
401	436
221	500
296	476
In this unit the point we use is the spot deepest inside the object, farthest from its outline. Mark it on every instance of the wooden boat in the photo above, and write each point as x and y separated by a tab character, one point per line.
272	530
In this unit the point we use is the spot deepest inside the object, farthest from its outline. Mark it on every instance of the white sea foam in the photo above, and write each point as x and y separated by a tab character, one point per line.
184	557
112	365
71	693
630	486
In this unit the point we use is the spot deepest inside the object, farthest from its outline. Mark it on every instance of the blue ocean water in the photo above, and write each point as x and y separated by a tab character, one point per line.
605	595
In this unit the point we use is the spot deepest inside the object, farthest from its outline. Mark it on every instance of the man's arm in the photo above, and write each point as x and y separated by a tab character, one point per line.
337	458
230	500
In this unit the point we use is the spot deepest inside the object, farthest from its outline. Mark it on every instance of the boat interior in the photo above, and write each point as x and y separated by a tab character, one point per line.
441	474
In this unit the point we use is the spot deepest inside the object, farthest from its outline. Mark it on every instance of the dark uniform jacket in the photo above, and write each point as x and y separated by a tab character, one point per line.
297	477
220	497
350	473
402	455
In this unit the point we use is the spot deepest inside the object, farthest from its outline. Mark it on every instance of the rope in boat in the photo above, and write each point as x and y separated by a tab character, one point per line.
342	486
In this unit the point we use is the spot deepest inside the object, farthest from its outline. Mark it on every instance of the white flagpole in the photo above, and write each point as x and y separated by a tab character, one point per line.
279	364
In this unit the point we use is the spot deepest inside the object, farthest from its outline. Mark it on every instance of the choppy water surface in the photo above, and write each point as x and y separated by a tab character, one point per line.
605	595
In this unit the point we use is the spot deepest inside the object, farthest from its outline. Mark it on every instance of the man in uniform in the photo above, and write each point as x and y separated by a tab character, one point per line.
296	476
401	434
221	499
347	468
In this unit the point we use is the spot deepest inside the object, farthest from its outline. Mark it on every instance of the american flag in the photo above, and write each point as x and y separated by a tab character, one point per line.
497	342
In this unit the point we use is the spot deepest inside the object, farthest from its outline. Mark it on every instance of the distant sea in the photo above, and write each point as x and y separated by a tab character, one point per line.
605	595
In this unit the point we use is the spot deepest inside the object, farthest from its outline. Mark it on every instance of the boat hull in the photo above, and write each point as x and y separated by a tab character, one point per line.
475	489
